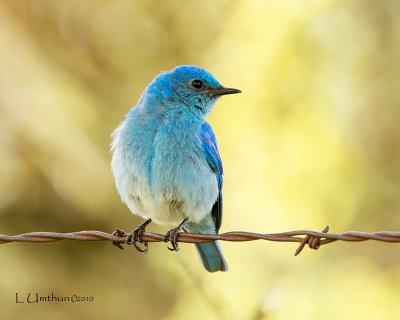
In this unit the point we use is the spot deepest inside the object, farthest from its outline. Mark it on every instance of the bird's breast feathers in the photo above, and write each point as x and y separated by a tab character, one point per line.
165	177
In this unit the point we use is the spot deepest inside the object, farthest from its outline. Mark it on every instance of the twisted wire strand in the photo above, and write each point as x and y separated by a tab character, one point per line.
314	239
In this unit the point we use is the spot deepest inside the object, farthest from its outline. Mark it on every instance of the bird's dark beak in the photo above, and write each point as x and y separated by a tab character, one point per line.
222	91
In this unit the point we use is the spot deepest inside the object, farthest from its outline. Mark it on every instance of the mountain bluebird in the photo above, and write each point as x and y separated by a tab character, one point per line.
166	162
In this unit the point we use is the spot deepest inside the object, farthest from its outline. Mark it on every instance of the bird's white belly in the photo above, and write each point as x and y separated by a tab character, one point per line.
166	177
174	195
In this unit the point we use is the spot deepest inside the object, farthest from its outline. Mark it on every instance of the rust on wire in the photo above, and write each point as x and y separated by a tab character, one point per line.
314	239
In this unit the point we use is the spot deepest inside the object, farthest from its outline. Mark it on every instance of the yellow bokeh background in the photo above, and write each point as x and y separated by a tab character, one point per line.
313	140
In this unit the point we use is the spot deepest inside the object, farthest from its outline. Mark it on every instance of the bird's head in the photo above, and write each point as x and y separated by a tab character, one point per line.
190	87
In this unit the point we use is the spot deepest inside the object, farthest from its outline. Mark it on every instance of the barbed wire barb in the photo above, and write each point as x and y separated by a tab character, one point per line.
314	239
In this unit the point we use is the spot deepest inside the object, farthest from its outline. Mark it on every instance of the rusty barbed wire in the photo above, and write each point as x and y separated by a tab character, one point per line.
313	239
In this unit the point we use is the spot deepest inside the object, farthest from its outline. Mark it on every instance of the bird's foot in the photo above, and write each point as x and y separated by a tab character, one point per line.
172	236
137	236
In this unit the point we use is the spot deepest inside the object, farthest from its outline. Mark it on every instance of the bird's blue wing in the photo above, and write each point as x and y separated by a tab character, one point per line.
211	153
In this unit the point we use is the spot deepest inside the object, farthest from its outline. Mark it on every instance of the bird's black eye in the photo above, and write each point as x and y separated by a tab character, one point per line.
197	84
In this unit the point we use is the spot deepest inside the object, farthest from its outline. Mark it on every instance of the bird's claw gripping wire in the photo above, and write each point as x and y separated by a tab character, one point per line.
172	236
134	237
137	236
313	242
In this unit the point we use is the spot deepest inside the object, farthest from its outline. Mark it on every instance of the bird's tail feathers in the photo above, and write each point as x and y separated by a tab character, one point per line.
211	256
210	253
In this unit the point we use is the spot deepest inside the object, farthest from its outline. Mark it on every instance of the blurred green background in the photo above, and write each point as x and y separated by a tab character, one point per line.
314	139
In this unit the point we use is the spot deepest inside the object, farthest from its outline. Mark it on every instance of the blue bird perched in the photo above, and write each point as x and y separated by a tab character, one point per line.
166	162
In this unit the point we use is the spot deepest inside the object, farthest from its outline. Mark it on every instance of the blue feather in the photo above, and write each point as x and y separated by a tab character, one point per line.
166	161
213	158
